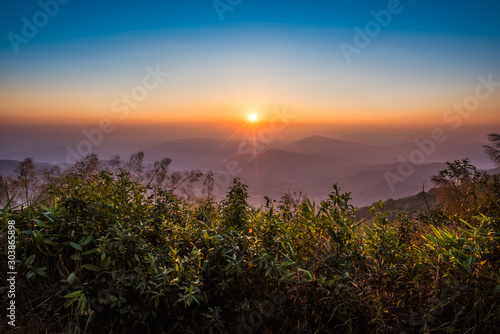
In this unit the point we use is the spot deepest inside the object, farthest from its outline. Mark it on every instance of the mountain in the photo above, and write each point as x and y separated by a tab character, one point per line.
202	153
447	151
347	151
193	153
59	154
7	167
364	154
276	172
370	185
45	155
275	163
410	204
312	165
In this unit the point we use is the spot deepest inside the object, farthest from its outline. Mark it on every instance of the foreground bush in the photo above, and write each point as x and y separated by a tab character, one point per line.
113	256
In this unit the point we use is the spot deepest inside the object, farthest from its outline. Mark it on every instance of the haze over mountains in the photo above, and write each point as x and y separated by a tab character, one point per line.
313	164
309	166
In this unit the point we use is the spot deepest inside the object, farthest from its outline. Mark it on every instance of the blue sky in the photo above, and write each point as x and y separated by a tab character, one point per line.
83	19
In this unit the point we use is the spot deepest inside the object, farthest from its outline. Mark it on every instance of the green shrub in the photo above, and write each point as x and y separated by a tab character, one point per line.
108	254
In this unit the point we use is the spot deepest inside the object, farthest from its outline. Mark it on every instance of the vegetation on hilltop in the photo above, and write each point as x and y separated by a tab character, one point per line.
124	250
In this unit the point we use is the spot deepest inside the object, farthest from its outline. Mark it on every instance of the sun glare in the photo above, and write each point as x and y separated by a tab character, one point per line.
253	117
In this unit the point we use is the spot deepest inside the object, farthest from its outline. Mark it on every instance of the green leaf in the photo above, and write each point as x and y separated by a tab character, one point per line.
75	257
311	278
82	302
157	301
49	242
87	240
71	278
288	275
74	294
306	272
50	216
29	261
92	251
39	223
75	246
42	271
91	267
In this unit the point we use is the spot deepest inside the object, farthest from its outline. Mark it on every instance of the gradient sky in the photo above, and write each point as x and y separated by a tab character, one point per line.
263	54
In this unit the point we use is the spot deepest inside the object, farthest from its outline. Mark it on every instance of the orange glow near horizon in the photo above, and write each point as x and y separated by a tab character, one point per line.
81	109
54	104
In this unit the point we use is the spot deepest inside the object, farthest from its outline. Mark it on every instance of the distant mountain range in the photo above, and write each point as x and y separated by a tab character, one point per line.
312	165
308	166
7	167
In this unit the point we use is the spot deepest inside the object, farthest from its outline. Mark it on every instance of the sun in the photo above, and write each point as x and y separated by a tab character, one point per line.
253	117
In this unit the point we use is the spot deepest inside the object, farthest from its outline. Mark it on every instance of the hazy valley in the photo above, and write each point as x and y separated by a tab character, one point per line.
309	166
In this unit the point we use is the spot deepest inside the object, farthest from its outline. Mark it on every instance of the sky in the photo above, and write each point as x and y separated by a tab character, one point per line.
359	63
